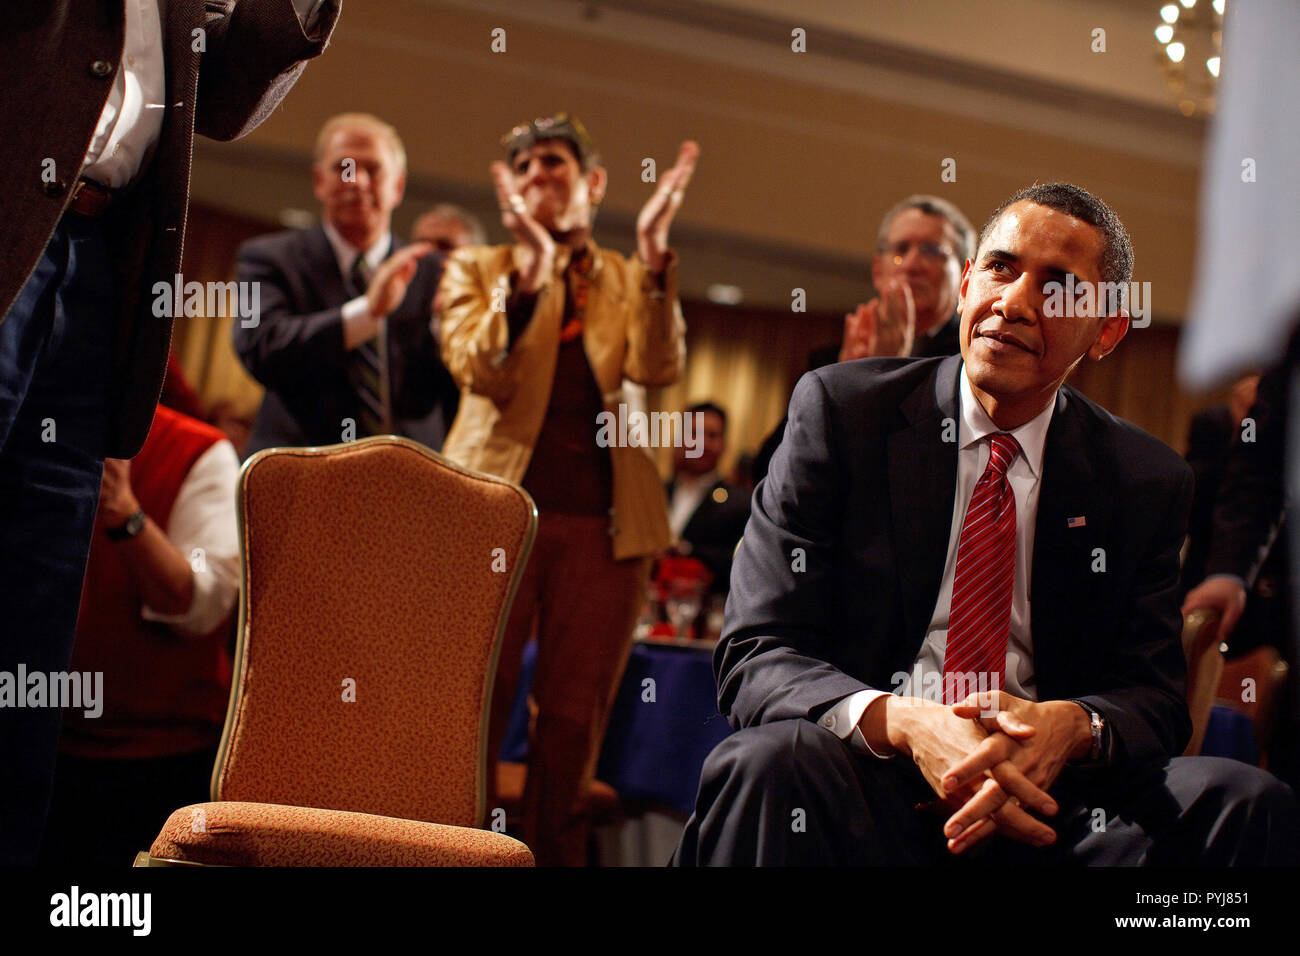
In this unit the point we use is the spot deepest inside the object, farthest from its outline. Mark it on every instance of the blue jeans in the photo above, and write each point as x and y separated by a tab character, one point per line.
56	350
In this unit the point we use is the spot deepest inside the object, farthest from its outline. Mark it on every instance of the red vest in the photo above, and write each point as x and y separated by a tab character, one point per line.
163	694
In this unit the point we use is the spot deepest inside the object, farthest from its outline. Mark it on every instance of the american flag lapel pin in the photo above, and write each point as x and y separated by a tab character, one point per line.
1078	522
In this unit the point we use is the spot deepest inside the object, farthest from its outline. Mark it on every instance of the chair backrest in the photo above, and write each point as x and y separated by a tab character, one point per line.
1204	667
376	581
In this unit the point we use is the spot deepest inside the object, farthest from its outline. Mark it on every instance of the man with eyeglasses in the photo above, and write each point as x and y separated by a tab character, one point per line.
920	247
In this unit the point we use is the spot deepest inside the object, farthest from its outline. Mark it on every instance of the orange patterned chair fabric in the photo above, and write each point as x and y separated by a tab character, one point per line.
264	834
377	576
376	580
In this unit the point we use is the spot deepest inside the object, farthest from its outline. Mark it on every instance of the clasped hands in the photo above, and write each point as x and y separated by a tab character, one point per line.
990	759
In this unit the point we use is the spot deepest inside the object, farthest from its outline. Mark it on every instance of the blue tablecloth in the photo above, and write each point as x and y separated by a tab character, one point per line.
659	732
1229	734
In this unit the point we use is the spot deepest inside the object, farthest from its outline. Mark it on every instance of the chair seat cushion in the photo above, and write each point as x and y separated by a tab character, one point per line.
231	833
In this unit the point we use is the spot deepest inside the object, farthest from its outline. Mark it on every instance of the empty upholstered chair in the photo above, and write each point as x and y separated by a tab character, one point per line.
376	580
1204	667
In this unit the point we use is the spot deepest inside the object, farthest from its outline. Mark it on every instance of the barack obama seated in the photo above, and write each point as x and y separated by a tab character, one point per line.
972	515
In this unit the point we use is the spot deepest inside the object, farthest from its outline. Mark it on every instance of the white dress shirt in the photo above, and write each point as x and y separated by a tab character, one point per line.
1025	476
132	116
688	492
358	324
203	516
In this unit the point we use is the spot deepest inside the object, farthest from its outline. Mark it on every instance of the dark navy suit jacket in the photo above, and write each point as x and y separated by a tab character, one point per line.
836	579
296	350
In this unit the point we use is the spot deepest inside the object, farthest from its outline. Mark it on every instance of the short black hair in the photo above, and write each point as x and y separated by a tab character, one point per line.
709	407
1117	249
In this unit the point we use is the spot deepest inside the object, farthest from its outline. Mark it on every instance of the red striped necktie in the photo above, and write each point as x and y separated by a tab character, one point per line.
984	581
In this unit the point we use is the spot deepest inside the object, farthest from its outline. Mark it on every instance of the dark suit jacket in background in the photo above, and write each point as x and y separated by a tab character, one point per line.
863	486
58	60
946	341
296	350
715	528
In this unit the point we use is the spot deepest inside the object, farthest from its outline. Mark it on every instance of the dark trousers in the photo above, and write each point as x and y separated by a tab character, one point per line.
104	812
55	356
584	606
792	793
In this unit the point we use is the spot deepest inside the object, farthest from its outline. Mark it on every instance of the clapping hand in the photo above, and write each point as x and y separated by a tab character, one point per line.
657	214
884	327
532	238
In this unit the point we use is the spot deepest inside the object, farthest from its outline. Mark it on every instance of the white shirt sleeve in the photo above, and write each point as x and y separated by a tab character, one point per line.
202	527
358	324
842	720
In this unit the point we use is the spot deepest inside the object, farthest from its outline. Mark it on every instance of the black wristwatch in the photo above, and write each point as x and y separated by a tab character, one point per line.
1097	725
132	527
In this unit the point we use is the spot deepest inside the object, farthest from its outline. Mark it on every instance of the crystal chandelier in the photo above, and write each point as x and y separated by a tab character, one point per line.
1191	38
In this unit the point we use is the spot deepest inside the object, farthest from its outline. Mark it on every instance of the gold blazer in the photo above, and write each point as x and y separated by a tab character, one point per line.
634	336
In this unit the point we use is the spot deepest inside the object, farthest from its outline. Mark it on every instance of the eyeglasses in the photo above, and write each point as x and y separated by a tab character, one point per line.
933	251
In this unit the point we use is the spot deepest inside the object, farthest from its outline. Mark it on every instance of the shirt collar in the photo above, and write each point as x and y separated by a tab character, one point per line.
345	253
976	425
706	480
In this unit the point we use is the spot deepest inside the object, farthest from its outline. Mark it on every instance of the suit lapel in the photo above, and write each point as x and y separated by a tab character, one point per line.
922	484
328	284
1063	579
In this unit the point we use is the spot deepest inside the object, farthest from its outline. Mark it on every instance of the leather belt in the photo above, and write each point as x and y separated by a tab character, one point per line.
90	199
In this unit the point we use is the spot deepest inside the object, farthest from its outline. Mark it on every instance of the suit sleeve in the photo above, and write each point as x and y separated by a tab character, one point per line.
1208	440
656	334
1144	680
252	55
1249	508
772	660
283	348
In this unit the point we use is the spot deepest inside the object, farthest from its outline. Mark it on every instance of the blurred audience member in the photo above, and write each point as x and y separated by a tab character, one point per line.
1209	440
177	393
447	227
343	343
1237	555
538	372
161	582
920	247
235	426
707	515
916	270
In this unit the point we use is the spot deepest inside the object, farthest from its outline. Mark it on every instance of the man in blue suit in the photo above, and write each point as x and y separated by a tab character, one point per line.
343	342
936	526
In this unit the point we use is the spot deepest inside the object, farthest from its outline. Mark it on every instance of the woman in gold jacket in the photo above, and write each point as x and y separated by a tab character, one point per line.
547	338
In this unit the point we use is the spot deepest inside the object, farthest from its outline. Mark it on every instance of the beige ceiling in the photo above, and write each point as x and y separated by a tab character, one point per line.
801	152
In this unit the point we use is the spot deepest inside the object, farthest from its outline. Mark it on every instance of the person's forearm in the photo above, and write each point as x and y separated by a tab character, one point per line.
884	725
163	574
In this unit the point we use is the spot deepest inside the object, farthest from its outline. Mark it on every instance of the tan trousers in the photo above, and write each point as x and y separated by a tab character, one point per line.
584	605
